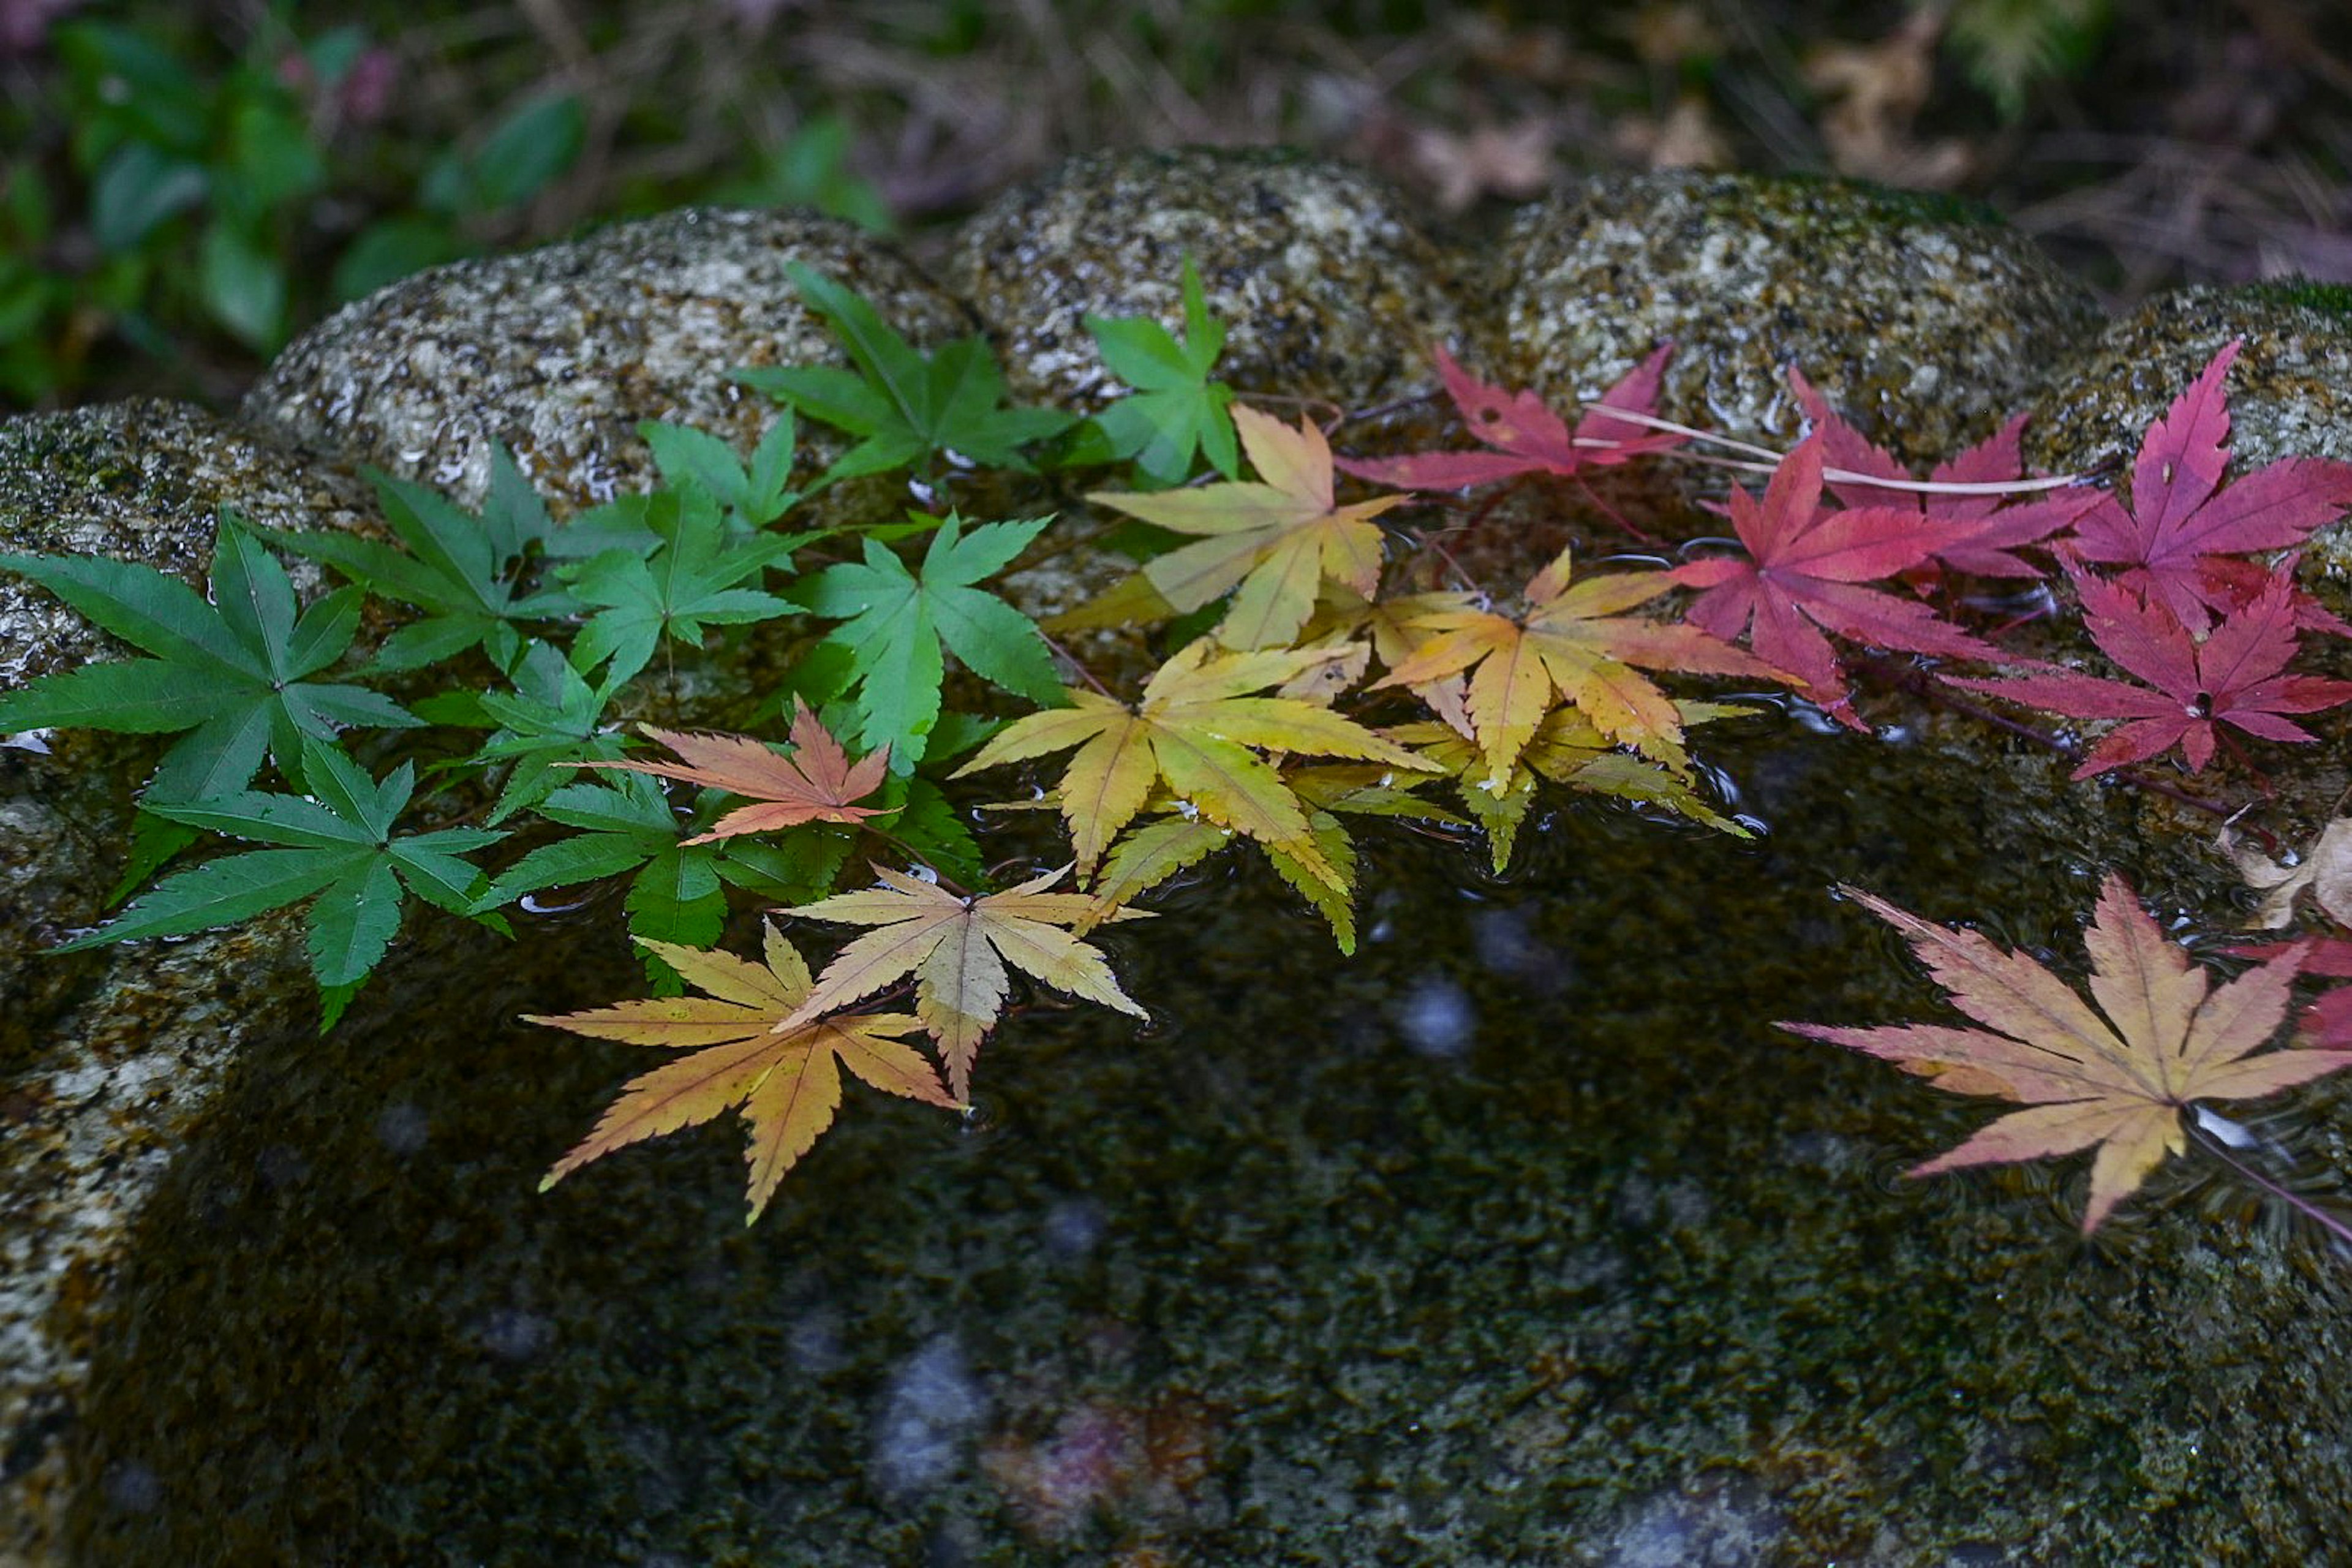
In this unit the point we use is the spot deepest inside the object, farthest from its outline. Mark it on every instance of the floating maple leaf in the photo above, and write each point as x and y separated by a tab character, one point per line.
2118	1082
1575	644
1277	538
2325	871
2184	524
1194	727
2234	675
1802	576
1980	530
1529	437
957	948
815	783
748	1047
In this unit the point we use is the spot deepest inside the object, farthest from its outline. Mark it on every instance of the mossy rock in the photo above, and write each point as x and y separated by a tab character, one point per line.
561	352
1925	320
1328	289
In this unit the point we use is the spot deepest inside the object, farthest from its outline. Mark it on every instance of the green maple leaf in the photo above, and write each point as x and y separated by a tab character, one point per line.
687	585
464	571
903	406
334	847
753	494
552	717
230	671
628	829
1175	410
895	622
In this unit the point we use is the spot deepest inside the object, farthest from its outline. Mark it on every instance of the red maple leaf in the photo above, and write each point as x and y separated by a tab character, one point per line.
2183	523
1802	577
1980	530
2234	675
1528	437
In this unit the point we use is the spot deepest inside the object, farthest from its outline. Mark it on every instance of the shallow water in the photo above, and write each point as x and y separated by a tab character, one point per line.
1519	1237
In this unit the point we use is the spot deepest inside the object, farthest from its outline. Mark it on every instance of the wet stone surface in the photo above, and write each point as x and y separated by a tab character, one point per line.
1521	1238
561	352
1924	319
1326	1268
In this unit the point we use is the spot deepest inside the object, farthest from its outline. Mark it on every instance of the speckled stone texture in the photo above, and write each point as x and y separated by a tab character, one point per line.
1924	319
1326	288
561	352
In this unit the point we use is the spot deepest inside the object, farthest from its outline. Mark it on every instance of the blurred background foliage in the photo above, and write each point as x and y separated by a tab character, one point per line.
184	186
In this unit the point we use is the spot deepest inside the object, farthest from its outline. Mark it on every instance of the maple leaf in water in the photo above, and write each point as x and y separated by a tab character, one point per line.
957	949
1527	436
1980	531
2119	1081
2177	538
745	1045
1278	537
1575	644
1804	575
2234	675
815	783
1194	727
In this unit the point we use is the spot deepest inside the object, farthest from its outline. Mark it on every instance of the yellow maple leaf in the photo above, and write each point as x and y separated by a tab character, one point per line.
749	1047
1194	727
1575	646
957	948
2119	1081
1278	538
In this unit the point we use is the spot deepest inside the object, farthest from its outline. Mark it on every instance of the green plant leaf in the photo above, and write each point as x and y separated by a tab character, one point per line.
903	404
753	495
140	187
243	285
389	249
231	671
335	846
688	584
895	624
552	717
1175	409
627	828
530	149
461	570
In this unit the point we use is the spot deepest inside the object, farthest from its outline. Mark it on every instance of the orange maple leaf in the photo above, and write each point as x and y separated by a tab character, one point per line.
2118	1082
815	783
1575	644
1278	538
749	1048
957	949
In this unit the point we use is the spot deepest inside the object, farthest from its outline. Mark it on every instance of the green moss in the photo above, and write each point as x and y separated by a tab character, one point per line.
1889	205
2333	299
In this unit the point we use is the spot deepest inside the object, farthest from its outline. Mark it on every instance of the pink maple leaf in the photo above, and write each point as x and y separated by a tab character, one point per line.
2183	523
1981	530
2234	675
1802	576
1527	436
